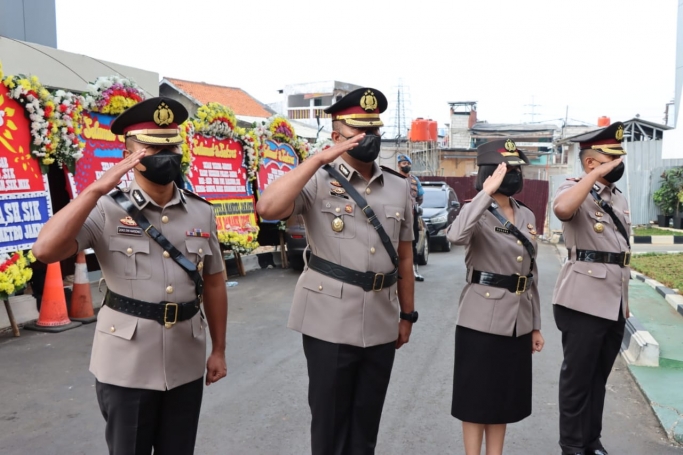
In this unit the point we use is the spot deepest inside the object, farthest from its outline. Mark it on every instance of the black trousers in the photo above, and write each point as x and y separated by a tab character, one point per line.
591	345
140	419
347	386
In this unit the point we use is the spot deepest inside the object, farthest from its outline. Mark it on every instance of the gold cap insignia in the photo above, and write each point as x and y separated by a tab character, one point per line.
368	101
619	135
163	116
510	146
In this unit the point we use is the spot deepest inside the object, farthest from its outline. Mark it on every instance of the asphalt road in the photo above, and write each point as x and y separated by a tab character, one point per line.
48	405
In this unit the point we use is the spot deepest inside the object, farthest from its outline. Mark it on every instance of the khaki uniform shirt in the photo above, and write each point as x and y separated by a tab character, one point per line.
141	353
329	309
589	287
489	248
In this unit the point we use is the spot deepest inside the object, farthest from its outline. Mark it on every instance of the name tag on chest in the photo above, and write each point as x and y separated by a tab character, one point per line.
502	230
126	230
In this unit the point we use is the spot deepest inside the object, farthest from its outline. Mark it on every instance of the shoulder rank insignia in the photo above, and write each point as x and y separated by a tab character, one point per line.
194	196
128	221
139	198
574	179
197	233
344	170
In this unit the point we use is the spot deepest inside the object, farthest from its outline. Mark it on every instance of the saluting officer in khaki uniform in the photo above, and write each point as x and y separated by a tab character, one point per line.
591	294
149	349
499	319
347	300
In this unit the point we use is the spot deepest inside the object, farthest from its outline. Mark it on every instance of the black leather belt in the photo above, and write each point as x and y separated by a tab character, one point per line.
513	283
165	313
369	281
622	259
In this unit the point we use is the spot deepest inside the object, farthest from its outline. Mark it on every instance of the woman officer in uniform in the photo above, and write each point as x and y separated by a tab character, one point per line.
499	318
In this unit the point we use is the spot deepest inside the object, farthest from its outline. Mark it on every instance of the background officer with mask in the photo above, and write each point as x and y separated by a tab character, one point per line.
347	300
149	350
417	195
591	293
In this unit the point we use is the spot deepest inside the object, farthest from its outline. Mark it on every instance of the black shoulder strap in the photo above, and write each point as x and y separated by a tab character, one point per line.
150	230
608	208
514	231
372	218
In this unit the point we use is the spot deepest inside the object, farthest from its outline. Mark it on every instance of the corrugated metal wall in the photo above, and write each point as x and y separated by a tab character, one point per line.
534	195
645	166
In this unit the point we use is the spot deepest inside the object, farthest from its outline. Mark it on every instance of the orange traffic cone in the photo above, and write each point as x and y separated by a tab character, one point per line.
81	308
53	316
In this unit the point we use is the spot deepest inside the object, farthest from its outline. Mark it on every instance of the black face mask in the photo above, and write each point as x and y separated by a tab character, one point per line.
367	150
512	184
162	168
616	173
406	169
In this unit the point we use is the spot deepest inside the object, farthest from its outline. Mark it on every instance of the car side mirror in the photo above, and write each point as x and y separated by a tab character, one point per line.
455	204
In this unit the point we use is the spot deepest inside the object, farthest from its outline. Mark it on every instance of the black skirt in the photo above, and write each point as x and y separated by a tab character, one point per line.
492	377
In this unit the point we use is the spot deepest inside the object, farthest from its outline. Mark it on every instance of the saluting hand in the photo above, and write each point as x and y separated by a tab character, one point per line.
493	181
338	149
112	177
216	369
537	341
606	167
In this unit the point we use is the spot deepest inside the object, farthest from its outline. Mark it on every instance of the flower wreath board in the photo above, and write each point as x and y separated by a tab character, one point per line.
105	99
218	173
25	204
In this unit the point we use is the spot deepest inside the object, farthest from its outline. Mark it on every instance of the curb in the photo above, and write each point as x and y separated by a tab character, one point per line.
639	346
673	298
657	239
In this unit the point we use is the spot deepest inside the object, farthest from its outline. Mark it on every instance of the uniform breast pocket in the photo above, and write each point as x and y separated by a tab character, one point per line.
600	221
341	218
394	216
130	257
197	250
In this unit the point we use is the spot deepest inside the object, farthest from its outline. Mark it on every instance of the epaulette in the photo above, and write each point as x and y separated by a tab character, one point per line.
193	195
574	179
617	189
522	204
391	171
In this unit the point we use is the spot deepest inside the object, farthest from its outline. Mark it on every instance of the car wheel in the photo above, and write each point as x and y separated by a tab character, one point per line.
423	258
446	246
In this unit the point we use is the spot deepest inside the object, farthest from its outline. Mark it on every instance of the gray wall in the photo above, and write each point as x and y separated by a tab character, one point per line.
29	20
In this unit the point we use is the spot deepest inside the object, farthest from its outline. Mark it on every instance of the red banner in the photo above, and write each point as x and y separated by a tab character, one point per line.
217	170
103	149
24	198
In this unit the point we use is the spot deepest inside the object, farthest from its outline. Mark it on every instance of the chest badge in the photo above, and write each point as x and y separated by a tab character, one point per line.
599	214
338	191
335	183
348	208
337	224
128	221
197	233
598	227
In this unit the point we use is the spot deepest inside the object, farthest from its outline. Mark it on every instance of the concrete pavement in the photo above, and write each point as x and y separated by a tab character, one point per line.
49	406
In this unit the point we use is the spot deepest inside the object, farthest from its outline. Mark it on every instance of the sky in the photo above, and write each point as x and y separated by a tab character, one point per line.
576	58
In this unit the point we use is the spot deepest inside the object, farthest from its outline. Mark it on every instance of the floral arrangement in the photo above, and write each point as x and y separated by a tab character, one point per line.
214	119
251	143
112	95
14	272
322	144
242	241
68	112
187	133
40	109
279	129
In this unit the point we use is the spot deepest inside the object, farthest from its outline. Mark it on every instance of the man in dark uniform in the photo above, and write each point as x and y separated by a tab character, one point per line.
349	303
160	257
417	195
591	293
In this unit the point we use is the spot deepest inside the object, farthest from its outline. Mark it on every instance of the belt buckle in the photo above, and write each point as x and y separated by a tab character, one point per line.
627	259
168	324
519	291
374	282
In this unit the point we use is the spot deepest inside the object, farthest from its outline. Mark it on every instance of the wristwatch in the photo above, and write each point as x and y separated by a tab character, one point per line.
410	317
